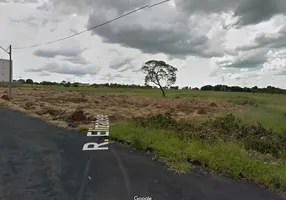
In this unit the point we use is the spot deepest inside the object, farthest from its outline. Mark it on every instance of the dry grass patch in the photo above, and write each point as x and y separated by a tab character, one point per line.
58	105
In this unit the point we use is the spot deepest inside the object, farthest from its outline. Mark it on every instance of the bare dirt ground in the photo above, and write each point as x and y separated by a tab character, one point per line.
60	106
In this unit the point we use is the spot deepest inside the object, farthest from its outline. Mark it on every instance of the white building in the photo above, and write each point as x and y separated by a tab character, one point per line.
4	70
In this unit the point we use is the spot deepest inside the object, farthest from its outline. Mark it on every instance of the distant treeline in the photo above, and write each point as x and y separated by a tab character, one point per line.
77	84
269	89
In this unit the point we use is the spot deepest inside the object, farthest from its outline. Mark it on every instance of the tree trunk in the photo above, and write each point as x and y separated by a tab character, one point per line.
163	92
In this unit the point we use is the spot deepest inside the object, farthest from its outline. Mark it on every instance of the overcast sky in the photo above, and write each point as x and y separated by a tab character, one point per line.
235	42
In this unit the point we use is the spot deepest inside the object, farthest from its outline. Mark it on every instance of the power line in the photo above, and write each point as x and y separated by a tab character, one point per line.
156	4
102	24
4	49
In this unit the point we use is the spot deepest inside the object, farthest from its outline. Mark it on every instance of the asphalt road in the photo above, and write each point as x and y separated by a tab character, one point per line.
41	161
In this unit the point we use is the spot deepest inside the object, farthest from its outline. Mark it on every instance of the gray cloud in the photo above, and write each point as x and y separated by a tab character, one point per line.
136	70
247	12
73	30
85	6
214	73
279	54
274	40
128	67
118	76
19	1
255	11
250	62
67	69
260	49
155	33
111	77
250	59
281	73
236	77
160	29
108	75
52	53
44	74
77	60
72	54
34	21
275	64
206	6
119	62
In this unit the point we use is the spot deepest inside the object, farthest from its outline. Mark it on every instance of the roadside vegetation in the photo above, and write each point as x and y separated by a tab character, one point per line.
238	135
223	145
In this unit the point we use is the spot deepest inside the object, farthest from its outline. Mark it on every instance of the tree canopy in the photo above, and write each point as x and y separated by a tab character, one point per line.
159	73
29	81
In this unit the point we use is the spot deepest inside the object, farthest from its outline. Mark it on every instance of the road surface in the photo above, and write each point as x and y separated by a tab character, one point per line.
44	162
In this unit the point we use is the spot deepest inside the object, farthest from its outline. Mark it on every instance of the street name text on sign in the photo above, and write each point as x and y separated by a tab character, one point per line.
101	129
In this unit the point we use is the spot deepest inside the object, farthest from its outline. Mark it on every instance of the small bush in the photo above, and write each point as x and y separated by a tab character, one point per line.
202	111
254	137
53	112
78	116
29	105
213	104
227	125
137	142
158	121
82	129
263	146
254	131
5	97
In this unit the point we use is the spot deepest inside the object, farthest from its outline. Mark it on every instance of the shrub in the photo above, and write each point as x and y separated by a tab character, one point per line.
29	105
202	111
255	131
263	146
5	97
213	104
137	142
78	116
158	121
254	137
227	125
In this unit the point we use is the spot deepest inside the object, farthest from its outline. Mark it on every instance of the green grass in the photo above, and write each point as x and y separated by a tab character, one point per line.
223	157
269	109
270	116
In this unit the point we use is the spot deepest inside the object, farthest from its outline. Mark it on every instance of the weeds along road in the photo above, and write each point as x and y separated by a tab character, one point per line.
41	161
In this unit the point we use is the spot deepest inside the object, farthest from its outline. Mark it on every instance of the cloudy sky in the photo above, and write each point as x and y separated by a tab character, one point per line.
235	42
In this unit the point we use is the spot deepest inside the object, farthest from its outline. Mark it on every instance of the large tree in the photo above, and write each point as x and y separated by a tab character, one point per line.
159	73
29	81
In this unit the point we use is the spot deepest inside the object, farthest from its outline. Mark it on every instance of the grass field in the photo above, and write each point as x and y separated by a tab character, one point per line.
268	109
198	131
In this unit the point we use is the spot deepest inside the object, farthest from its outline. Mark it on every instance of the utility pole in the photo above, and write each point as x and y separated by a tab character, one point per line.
10	71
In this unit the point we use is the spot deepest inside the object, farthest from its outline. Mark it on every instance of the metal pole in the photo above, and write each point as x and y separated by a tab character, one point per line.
10	72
